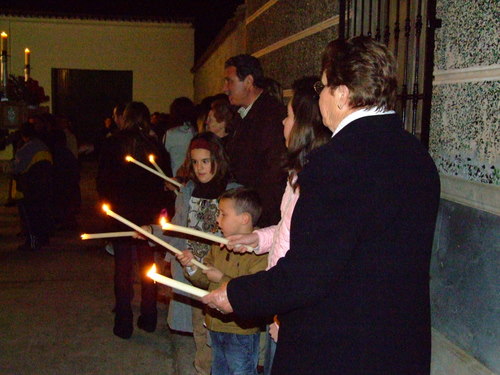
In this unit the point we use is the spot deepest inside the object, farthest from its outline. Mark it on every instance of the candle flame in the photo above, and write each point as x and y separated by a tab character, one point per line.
152	270
105	207
84	236
27	50
163	221
152	158
129	158
4	34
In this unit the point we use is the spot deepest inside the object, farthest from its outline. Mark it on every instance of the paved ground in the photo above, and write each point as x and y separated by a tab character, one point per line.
55	315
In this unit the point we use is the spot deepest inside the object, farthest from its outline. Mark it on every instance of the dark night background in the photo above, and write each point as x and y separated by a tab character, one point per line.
208	16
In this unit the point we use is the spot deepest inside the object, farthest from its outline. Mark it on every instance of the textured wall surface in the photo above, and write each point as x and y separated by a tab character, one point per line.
464	281
208	79
297	59
469	36
465	130
285	18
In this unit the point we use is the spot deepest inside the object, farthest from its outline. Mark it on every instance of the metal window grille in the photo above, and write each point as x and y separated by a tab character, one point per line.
407	28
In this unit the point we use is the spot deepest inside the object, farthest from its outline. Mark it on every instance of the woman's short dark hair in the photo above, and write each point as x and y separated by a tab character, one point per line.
366	67
308	131
245	200
217	154
136	116
246	65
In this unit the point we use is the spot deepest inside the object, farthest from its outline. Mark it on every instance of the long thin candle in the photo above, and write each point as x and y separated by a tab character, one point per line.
149	235
171	180
176	284
197	233
157	167
194	232
93	236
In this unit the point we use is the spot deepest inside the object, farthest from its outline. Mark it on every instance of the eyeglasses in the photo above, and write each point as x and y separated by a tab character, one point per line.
318	87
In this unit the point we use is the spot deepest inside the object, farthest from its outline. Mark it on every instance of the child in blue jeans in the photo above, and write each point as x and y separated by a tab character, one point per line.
235	342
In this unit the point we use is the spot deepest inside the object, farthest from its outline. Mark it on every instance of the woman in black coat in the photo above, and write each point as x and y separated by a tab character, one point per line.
137	195
352	293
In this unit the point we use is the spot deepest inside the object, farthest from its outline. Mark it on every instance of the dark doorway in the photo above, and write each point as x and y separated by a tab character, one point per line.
87	97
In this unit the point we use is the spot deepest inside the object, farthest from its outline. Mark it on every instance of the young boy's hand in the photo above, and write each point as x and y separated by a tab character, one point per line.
185	258
213	274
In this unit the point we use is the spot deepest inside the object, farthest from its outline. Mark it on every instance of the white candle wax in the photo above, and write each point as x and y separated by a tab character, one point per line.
150	236
197	233
194	232
142	165
176	284
93	236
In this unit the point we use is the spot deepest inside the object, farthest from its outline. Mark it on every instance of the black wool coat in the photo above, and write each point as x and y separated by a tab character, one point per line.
352	293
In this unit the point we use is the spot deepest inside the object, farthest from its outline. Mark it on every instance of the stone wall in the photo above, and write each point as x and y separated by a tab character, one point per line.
465	144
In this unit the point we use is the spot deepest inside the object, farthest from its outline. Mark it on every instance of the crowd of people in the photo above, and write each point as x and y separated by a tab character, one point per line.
328	205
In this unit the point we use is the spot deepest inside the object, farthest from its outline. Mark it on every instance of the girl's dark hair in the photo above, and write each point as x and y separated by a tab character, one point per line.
136	116
217	155
308	131
183	111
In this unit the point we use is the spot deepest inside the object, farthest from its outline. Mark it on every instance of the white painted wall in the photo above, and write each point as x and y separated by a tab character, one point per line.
159	54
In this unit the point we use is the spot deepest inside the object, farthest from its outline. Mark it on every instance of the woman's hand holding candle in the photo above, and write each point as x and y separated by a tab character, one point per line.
242	243
218	300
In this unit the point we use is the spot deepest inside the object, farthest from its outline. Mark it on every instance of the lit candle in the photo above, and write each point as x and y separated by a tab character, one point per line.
162	175
175	284
93	236
152	237
27	54
4	42
152	161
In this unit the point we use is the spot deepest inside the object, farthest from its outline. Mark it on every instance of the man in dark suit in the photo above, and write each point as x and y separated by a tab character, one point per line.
352	293
257	147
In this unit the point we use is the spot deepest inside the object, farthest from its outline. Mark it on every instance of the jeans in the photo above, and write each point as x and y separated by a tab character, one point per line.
234	354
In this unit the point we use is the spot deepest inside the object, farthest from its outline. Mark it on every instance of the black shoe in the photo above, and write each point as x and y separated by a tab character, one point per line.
147	322
123	327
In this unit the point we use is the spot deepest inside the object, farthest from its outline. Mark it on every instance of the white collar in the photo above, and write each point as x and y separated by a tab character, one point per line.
243	111
364	112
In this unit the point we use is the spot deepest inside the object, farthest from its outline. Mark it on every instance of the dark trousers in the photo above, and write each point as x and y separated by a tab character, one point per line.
37	221
126	251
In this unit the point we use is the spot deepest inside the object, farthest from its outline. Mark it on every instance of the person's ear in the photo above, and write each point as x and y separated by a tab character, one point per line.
245	218
342	92
249	80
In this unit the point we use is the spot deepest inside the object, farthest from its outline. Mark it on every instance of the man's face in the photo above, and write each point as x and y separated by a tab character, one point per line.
234	88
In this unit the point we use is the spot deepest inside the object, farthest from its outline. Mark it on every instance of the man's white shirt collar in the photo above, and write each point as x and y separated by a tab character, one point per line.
243	111
364	112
